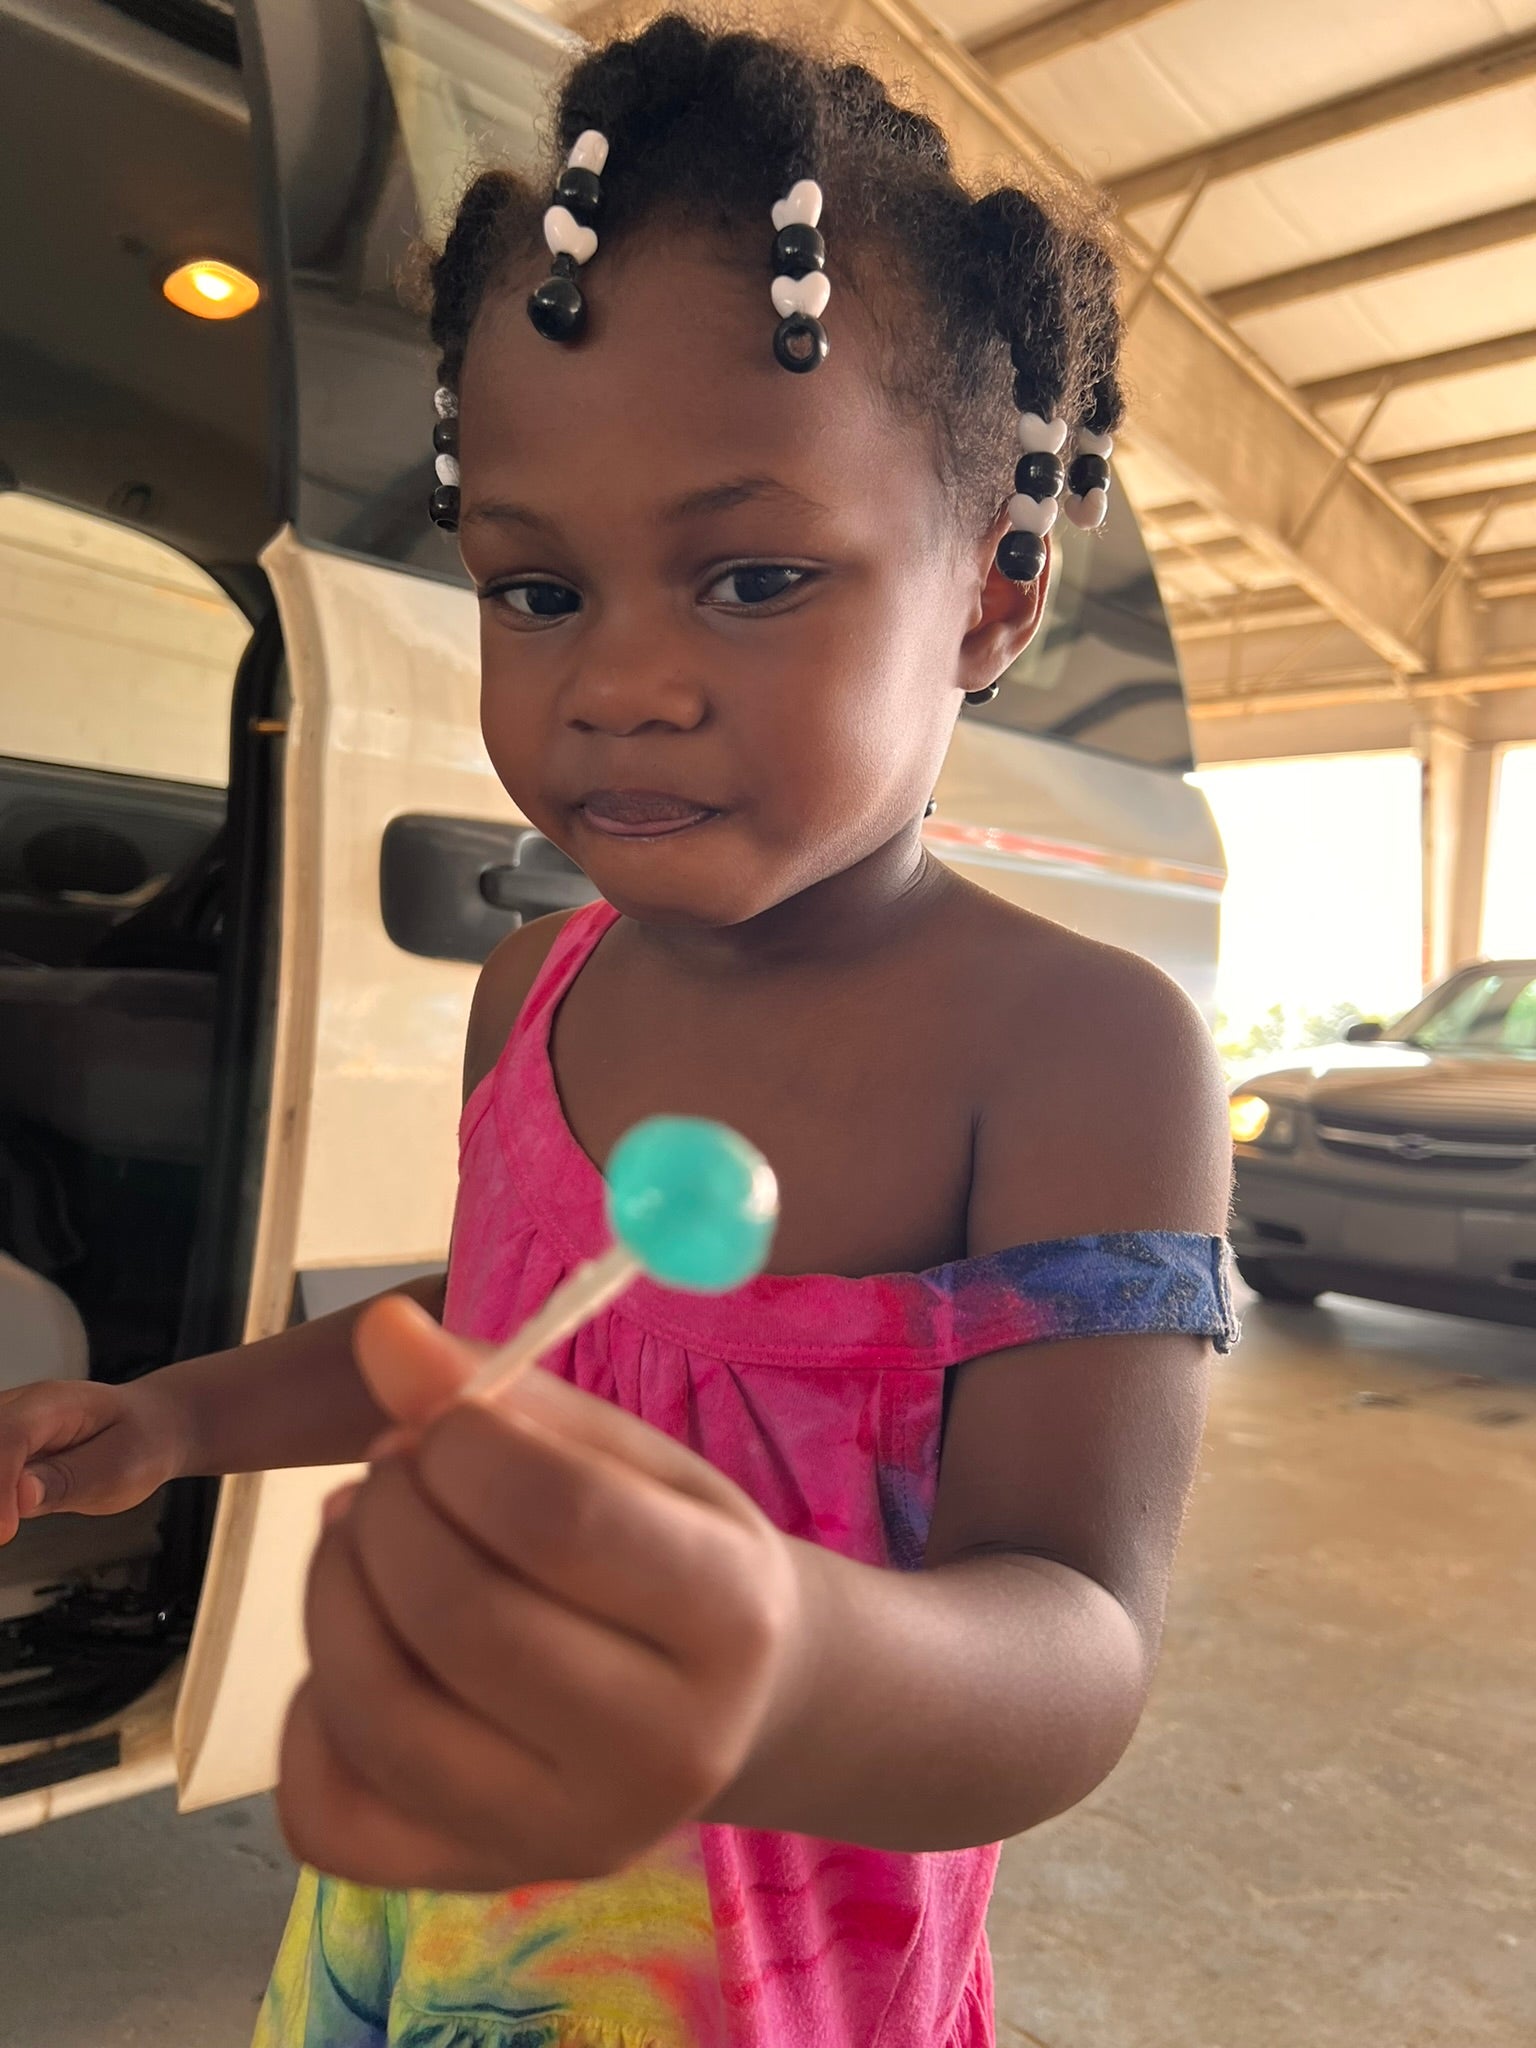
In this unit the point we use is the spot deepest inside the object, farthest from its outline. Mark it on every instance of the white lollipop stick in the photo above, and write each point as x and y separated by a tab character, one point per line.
580	1297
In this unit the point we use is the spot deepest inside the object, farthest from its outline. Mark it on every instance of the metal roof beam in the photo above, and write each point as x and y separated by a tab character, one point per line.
1491	65
1506	572
1228	618
1385	259
1459	455
1491	354
1460	503
1362	687
1015	45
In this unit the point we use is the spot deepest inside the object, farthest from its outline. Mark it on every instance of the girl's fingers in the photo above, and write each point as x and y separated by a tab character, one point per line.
334	1822
415	1370
601	1536
414	1748
410	1364
336	1503
544	1402
541	1672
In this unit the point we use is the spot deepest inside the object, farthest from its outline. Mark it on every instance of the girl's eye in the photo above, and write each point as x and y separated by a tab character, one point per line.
537	597
758	584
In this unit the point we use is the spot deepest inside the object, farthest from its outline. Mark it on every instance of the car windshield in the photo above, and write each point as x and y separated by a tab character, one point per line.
1489	1010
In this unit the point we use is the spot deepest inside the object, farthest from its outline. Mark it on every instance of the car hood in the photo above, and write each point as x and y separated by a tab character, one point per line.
1400	1087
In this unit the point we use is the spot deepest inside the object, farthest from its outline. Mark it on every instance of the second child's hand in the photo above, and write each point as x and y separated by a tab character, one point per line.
541	1635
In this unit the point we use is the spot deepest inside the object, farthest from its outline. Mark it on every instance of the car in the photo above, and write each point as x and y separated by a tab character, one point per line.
251	849
1400	1165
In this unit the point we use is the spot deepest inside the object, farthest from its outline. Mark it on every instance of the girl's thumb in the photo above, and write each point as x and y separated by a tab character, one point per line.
90	1479
409	1363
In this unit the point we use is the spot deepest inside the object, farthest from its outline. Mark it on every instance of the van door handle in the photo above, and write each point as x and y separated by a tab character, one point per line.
450	888
532	891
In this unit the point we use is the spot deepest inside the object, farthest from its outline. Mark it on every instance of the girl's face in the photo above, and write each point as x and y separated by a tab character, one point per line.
726	614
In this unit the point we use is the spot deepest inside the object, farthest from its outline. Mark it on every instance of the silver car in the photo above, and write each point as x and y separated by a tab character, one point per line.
1402	1164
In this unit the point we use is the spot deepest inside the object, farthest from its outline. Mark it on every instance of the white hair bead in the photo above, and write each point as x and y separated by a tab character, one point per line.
1095	444
1032	515
1088	513
589	152
801	203
807	295
447	469
444	403
567	237
1041	437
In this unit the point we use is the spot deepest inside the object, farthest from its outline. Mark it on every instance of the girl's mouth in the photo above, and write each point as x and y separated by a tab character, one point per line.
642	813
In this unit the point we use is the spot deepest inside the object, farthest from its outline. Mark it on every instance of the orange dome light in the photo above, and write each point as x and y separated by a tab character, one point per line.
210	290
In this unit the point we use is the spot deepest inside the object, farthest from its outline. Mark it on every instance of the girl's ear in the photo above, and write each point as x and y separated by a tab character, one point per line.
1007	617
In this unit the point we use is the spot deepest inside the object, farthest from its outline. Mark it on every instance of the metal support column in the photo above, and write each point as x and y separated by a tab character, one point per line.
1458	783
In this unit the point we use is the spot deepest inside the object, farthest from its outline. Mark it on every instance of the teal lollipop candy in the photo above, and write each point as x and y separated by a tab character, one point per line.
692	1205
692	1202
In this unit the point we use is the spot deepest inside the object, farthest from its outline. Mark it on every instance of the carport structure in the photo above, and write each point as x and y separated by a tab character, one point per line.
1329	221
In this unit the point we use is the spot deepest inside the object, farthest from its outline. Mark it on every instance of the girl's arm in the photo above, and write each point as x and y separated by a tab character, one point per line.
1000	1685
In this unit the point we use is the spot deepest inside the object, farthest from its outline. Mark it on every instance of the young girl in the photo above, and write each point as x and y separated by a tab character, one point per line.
679	1703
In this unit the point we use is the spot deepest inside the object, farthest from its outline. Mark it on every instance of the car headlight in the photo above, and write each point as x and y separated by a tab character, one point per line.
1255	1120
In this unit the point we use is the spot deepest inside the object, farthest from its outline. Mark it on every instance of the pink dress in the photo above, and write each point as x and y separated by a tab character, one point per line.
823	1399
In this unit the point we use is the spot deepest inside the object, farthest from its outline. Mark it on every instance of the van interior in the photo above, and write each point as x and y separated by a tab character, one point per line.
141	702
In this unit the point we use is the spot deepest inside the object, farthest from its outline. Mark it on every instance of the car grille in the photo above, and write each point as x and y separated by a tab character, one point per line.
1475	1151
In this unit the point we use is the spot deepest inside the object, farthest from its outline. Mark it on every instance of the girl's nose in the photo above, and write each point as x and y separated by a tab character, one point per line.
646	682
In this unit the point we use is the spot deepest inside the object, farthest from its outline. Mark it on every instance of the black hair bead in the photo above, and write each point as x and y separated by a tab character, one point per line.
1021	556
1088	473
580	193
1039	475
443	507
800	343
798	250
445	437
557	308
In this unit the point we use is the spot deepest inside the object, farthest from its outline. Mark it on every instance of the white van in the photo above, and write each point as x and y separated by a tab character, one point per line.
250	849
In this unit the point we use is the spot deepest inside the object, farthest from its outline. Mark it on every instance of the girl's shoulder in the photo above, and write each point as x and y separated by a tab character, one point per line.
1090	1059
506	980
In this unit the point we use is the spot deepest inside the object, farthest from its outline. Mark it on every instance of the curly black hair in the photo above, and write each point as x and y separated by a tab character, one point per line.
986	305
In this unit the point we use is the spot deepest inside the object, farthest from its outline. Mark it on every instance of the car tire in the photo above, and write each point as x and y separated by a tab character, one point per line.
1269	1283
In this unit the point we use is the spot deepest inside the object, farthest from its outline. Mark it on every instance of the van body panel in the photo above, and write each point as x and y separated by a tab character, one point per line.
146	1762
385	677
1120	852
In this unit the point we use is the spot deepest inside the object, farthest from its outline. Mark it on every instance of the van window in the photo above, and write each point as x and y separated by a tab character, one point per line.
381	109
114	729
120	653
1102	672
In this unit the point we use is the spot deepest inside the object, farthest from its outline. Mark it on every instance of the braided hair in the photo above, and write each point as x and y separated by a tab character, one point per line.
985	306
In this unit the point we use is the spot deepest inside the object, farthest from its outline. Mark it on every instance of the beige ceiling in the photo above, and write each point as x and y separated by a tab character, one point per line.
1351	186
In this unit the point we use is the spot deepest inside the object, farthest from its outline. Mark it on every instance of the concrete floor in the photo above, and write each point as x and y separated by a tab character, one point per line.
1323	1837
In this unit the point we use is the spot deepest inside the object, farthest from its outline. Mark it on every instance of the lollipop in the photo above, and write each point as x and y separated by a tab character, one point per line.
691	1204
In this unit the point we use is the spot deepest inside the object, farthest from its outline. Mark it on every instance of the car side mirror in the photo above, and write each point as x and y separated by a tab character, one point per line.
1366	1032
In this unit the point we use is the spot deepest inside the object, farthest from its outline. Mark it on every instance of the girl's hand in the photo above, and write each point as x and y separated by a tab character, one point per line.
541	1636
84	1448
